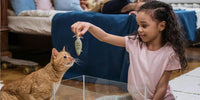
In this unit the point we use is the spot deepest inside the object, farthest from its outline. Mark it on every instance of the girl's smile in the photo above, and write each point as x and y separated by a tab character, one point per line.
141	35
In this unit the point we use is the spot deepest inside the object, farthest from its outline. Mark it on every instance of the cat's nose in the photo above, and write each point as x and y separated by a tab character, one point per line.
72	59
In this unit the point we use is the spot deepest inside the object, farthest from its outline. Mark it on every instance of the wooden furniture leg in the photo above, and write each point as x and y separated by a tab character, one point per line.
4	29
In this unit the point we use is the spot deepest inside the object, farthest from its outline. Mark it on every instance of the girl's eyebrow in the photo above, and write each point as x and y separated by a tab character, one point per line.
143	22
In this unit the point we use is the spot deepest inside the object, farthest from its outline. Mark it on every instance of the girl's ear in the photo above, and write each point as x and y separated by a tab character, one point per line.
54	53
162	25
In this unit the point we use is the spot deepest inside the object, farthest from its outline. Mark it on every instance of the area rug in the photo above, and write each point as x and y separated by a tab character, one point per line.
1	85
187	86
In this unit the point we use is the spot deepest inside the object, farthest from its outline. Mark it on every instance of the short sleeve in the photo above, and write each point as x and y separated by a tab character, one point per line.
130	42
173	63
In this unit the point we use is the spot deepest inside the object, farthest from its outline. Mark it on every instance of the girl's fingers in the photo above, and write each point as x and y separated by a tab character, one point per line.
80	28
132	12
85	29
73	28
76	28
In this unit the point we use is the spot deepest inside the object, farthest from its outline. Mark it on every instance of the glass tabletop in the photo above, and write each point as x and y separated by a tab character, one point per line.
90	88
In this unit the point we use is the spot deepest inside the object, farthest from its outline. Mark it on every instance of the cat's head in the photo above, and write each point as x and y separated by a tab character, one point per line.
62	60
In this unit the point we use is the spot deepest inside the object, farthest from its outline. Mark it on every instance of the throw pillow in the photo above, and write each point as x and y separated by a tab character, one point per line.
21	5
43	5
67	5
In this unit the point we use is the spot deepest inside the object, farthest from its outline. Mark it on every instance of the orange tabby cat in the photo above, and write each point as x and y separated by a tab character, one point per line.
38	85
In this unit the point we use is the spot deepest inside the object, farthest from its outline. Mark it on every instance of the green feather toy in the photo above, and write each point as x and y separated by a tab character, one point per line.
78	45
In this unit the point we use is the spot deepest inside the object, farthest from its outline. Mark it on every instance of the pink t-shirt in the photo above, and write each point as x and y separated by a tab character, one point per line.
146	68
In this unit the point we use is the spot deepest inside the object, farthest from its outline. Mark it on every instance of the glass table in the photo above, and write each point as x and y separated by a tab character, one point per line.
91	88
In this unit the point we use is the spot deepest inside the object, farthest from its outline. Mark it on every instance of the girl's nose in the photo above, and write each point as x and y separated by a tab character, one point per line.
139	29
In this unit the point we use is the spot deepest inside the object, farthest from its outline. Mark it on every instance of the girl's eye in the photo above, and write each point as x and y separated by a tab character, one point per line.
144	26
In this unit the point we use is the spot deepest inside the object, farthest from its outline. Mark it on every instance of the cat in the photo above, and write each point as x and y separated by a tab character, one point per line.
39	84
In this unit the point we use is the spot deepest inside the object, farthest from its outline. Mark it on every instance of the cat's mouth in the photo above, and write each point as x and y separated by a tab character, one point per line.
69	64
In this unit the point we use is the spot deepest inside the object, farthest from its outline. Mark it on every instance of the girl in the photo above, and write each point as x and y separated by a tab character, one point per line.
155	50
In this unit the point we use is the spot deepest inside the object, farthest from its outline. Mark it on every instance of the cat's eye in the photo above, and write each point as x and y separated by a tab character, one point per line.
65	56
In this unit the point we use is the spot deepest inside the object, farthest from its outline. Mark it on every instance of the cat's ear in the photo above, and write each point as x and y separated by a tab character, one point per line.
54	53
63	49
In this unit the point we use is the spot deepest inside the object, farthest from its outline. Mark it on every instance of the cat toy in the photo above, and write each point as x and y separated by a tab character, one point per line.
78	45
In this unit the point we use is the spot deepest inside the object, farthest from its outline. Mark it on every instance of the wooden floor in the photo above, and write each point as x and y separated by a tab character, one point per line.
193	57
9	75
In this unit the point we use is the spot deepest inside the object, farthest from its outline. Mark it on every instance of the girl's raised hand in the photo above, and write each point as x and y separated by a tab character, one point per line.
80	28
132	12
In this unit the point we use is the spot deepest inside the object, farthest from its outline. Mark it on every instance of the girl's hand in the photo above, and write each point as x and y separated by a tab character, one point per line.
84	4
132	12
80	28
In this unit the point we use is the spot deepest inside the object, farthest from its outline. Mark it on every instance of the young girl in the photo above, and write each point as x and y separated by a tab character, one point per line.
155	50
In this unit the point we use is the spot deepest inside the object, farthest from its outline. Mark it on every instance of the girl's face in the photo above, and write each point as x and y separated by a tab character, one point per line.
149	30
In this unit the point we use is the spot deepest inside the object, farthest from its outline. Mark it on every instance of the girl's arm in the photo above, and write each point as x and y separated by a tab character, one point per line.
80	28
162	86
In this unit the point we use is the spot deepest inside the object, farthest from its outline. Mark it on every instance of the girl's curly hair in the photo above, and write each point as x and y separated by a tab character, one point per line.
160	11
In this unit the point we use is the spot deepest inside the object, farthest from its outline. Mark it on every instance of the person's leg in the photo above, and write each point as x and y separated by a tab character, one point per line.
114	6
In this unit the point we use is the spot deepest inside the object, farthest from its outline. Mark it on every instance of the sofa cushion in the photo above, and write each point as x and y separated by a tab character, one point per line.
21	5
43	5
67	5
